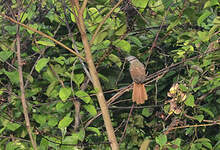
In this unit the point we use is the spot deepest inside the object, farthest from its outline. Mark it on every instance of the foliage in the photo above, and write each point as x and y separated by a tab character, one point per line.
182	110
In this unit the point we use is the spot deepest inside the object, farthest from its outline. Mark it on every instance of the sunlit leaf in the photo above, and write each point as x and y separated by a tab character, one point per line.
93	129
65	122
41	64
12	126
190	101
147	112
124	45
100	37
199	117
203	17
91	109
4	55
65	93
121	30
115	59
13	76
83	95
46	43
78	78
161	139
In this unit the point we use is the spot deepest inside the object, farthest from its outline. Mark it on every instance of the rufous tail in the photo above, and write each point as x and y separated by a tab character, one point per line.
139	94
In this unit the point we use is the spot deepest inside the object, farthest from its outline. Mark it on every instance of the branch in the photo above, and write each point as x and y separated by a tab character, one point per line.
23	100
95	80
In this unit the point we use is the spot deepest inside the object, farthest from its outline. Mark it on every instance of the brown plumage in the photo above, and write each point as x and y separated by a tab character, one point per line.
137	72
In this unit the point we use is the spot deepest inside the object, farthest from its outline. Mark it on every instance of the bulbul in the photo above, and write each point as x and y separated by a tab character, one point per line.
138	74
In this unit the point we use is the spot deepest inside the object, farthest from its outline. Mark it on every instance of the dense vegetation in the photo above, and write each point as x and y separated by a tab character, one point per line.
48	99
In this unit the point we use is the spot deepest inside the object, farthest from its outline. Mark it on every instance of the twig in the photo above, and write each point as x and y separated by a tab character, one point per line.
155	41
126	125
194	126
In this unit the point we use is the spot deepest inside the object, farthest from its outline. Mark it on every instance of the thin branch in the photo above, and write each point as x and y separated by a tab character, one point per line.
23	100
194	126
43	34
126	125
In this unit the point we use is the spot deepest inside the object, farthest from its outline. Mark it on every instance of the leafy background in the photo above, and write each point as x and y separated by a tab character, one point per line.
178	41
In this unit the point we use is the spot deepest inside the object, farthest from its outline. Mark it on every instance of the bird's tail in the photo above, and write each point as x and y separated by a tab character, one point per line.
139	94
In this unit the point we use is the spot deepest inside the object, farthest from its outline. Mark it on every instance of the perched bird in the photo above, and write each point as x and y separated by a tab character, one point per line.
137	72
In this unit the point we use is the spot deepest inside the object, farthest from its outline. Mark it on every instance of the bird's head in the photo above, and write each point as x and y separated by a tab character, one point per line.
130	58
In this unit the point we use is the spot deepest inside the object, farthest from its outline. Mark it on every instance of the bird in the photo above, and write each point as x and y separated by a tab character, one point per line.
138	74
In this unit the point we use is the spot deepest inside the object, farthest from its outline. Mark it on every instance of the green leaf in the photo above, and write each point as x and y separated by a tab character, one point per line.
65	93
84	96
52	122
203	17
60	60
33	92
93	129
177	142
190	101
91	109
24	17
41	119
135	40
194	81
78	78
12	126
209	112
41	64
102	77
50	88
70	140
199	117
94	15
147	112
81	134
122	44
100	37
44	144
121	30
65	122
204	141
203	36
4	55
183	88
115	59
60	106
211	3
161	139
11	29
46	43
13	146
13	76
140	3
